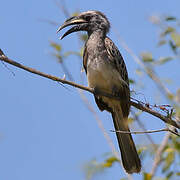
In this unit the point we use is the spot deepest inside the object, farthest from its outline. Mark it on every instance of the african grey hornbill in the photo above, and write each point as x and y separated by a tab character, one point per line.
106	72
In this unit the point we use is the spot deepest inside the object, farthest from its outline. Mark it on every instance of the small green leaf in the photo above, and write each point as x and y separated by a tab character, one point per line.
109	162
168	159
170	96
84	37
75	14
112	159
170	18
107	165
147	57
59	57
130	120
92	168
141	150
131	81
169	174
168	30
162	42
163	60
56	46
147	176
82	51
173	46
176	38
177	143
139	72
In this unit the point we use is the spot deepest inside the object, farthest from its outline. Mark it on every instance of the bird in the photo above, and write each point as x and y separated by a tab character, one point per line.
106	72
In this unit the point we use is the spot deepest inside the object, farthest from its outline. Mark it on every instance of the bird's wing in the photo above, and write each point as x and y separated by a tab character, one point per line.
117	61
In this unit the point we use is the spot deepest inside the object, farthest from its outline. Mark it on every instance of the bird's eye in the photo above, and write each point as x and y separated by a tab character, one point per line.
88	18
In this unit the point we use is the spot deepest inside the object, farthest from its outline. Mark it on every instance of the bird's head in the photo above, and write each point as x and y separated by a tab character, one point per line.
89	21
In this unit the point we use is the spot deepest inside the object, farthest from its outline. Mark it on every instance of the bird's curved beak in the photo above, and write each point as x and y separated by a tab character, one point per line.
72	21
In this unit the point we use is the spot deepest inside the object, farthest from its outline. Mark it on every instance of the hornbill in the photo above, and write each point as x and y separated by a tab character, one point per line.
106	72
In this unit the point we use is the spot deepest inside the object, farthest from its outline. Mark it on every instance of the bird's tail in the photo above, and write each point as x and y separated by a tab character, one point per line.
129	155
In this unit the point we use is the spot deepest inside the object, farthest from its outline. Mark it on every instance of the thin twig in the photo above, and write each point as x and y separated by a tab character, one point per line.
155	113
143	132
54	78
141	125
158	155
8	68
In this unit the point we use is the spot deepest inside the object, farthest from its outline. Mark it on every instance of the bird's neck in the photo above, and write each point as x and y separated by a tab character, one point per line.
97	35
96	39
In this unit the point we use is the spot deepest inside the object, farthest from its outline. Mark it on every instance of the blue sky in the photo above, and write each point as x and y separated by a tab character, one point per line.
46	132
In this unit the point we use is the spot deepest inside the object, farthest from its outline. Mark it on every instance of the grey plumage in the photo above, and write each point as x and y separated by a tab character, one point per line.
106	71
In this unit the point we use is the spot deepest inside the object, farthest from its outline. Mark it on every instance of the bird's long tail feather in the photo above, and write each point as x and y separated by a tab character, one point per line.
129	155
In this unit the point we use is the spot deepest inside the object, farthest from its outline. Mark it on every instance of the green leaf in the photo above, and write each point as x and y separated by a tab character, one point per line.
163	60
92	168
169	174
75	14
170	18
68	53
169	159
84	37
82	51
59	57
176	142
131	81
56	46
130	120
176	38
147	176
173	46
162	42
110	161
170	96
139	72
147	57
141	150
168	30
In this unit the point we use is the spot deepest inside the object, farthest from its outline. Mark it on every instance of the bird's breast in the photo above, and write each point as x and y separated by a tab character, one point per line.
102	75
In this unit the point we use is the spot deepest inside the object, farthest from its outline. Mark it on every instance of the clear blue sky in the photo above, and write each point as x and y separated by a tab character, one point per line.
45	130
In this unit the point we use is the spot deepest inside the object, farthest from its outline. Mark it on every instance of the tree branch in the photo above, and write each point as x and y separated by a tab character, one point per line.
143	132
166	119
140	106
